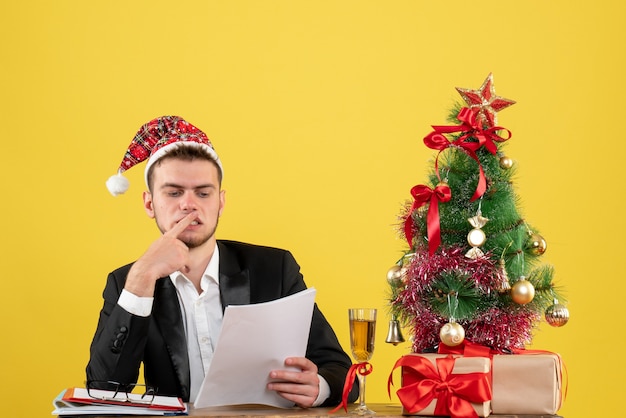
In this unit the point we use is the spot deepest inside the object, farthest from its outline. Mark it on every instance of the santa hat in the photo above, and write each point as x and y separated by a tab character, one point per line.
155	139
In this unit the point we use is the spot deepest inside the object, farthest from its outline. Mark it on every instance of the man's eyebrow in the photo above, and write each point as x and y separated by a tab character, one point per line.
178	186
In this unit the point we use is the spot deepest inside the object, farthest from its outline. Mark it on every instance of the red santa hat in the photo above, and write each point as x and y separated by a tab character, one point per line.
155	139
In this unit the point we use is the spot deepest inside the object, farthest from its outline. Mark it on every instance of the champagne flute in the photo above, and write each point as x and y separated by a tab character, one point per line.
362	332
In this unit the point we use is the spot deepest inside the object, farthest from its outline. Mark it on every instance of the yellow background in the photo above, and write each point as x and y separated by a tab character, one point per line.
318	110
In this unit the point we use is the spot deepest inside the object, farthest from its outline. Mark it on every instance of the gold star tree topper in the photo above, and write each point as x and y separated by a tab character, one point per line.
485	102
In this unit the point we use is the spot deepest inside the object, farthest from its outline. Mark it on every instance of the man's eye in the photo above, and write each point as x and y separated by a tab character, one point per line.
175	193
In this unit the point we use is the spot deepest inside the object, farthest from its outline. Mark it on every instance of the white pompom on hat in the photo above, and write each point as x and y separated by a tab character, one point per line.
155	139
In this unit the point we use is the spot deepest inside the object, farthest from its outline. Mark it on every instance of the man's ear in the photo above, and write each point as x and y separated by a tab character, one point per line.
147	204
222	202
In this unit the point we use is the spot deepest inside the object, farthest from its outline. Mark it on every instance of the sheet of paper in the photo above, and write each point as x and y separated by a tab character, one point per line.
254	340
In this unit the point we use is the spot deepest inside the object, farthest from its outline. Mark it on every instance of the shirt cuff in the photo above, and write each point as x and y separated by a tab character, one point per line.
136	305
324	392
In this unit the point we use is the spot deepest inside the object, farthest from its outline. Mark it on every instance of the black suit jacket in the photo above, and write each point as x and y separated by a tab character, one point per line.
248	274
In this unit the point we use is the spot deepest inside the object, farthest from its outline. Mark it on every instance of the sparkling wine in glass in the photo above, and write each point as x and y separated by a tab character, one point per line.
362	333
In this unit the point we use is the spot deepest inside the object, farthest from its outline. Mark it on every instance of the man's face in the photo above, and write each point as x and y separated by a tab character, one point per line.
180	187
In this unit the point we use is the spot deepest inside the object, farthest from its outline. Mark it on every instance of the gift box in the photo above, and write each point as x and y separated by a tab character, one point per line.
445	385
526	384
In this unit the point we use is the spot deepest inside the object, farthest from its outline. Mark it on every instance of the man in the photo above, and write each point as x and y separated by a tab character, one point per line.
165	309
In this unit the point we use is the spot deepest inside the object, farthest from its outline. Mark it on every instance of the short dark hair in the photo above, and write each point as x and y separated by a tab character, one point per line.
185	153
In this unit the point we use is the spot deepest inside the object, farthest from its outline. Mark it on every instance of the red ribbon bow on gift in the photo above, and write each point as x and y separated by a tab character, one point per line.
422	195
470	127
363	369
454	392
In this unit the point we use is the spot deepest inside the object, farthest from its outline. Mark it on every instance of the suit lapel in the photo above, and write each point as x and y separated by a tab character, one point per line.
169	321
234	281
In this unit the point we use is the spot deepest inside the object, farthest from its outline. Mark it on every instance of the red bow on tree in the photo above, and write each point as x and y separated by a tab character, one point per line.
422	195
470	127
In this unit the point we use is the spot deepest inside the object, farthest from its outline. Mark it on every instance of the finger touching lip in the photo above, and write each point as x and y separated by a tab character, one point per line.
195	222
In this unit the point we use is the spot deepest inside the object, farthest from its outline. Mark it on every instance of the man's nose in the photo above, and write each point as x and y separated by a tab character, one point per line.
188	202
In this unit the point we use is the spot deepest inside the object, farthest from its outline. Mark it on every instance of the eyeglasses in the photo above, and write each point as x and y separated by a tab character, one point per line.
107	390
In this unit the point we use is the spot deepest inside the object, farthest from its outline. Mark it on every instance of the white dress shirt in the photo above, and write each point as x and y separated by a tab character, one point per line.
202	318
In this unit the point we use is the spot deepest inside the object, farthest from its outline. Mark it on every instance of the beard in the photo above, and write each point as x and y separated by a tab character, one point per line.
199	241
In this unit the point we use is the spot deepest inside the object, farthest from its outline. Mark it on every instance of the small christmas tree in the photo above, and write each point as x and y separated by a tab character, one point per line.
472	270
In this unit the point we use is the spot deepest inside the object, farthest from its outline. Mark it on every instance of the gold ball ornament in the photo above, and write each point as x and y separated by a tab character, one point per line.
536	244
506	162
395	273
522	292
452	334
557	315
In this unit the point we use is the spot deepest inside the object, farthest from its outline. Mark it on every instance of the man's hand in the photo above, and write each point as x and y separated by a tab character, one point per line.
165	256
301	387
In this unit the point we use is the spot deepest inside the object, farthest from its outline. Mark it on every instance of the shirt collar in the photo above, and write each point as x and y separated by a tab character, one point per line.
212	270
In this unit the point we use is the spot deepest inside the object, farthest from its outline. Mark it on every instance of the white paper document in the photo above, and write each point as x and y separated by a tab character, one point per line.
254	340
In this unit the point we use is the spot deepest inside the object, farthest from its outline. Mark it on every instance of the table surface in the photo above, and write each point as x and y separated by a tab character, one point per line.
257	411
251	411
